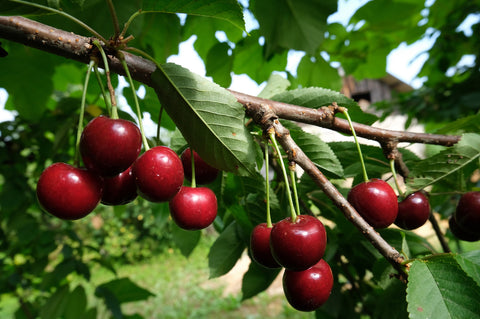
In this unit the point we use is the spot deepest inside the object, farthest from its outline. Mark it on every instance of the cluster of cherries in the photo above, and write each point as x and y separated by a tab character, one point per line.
298	246
115	174
377	203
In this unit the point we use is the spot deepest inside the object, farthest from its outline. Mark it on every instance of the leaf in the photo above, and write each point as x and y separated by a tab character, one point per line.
470	263
316	97
315	71
209	117
439	288
276	84
124	290
56	304
293	24
257	279
185	240
76	304
445	163
225	251
228	10
219	64
465	124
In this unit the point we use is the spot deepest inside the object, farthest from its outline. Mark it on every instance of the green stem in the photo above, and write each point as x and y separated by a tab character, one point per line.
364	170
194	183
82	111
291	167
284	171
137	105
62	13
394	173
129	21
159	122
267	186
113	13
114	112
104	93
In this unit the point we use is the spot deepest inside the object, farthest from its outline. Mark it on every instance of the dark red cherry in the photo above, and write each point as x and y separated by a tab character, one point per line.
120	189
467	214
204	173
68	192
110	146
460	233
375	201
298	245
158	174
309	289
260	246
413	211
193	208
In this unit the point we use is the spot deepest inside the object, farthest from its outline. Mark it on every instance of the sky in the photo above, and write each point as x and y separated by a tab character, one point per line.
404	62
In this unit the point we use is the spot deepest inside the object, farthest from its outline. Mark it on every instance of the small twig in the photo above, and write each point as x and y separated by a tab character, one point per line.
438	232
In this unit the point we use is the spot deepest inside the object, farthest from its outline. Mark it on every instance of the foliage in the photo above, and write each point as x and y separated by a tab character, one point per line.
39	254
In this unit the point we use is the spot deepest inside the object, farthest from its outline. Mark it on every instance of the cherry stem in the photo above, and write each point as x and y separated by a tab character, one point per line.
395	178
284	171
102	87
63	13
82	111
113	13
194	183
159	122
291	167
129	21
137	106
364	170
113	100
267	186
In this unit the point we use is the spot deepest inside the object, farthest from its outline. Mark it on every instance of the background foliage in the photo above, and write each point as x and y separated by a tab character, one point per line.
47	264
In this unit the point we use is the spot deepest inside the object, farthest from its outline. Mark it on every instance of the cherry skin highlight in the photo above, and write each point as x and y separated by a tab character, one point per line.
68	192
375	201
110	146
298	245
309	289
158	174
260	246
204	173
193	208
413	211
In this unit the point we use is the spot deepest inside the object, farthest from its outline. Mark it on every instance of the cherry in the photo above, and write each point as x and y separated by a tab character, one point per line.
193	208
109	146
120	189
413	211
68	192
158	174
260	246
467	214
307	290
460	233
375	201
300	244
204	173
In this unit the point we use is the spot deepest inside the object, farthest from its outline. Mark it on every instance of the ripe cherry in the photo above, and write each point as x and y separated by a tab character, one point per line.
158	174
193	208
109	146
307	290
300	244
460	233
467	214
260	246
375	201
413	211
120	189
68	192
204	173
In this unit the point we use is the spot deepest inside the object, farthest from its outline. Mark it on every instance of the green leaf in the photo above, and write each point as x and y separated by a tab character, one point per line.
257	279
316	97
439	288
56	304
317	150
276	84
315	71
228	10
293	24
124	290
76	304
465	124
219	64
445	163
185	240
225	251
209	117
470	263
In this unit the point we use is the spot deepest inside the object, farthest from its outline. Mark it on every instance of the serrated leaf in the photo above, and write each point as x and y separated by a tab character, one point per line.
470	263
315	97
257	279
123	289
225	251
317	150
276	84
209	117
318	72
228	10
439	288
445	163
219	64
185	240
